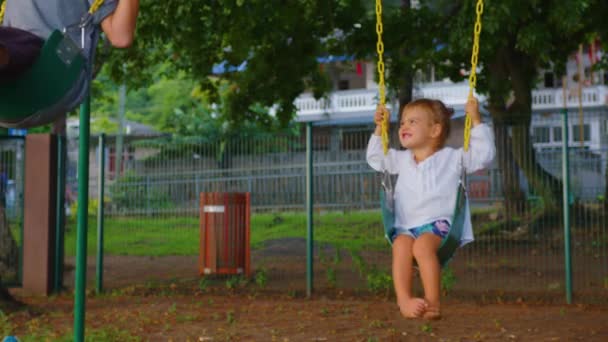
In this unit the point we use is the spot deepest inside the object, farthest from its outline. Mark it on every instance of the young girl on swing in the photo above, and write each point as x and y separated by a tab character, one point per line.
425	193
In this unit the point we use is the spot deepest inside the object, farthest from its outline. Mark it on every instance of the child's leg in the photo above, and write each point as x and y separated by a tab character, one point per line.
425	251
403	270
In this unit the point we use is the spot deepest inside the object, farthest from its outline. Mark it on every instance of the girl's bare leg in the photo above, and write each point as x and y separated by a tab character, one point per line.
403	270
425	251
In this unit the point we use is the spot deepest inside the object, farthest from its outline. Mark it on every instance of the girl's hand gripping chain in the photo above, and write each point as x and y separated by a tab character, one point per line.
379	117
472	109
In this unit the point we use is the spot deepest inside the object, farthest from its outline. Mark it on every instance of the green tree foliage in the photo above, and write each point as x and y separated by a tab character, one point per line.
410	37
162	104
279	41
518	39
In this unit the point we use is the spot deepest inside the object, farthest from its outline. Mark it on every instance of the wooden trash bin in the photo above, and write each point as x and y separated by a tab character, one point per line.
224	233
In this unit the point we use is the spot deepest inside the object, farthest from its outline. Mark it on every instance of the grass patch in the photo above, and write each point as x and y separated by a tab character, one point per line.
162	236
179	235
141	236
351	231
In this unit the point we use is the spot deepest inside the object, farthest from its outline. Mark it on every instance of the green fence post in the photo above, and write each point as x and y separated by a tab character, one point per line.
60	214
21	161
309	211
100	213
566	205
81	231
147	194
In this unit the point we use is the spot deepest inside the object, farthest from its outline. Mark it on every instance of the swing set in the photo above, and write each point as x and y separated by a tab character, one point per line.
461	215
53	85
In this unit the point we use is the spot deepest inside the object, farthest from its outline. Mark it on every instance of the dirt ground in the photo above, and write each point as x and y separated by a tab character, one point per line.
184	312
164	299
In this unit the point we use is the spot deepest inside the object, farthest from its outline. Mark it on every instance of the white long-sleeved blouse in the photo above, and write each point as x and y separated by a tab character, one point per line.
426	191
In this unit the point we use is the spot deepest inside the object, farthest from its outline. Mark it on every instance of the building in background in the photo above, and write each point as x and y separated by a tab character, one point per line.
349	110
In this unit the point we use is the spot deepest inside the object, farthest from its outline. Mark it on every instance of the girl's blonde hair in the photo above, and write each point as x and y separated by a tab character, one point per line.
439	113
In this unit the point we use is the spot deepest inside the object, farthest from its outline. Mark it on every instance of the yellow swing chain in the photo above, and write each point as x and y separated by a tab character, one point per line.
473	74
381	87
95	6
2	9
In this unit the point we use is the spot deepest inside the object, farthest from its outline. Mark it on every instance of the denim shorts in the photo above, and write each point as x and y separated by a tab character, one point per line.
440	228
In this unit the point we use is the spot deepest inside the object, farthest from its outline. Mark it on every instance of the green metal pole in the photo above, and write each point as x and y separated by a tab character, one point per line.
101	173
81	232
309	211
566	199
60	214
20	158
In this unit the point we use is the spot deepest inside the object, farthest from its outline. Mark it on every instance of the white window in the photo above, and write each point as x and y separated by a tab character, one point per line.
557	134
540	134
576	132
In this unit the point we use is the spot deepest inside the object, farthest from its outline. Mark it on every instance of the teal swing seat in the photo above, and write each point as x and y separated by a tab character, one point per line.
51	87
451	242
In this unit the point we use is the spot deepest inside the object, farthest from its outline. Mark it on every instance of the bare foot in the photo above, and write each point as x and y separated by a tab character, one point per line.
432	313
412	307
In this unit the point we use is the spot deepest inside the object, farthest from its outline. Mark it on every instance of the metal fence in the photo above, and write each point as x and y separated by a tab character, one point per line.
12	162
519	248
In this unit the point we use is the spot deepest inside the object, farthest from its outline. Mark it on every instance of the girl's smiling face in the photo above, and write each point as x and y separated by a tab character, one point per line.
416	129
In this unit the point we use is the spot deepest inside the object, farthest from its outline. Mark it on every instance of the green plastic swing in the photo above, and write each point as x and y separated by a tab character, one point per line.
450	244
52	86
42	92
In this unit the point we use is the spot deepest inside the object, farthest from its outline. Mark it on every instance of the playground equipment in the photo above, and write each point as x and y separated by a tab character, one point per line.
461	216
30	100
74	88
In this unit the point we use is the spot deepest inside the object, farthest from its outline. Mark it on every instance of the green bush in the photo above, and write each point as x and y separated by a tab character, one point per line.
132	191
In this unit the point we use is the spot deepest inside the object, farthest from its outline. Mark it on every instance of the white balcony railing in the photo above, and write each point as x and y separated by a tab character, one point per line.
592	96
452	94
355	102
338	102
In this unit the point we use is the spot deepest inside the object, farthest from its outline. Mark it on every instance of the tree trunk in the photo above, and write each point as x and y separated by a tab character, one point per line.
521	70
542	182
515	198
